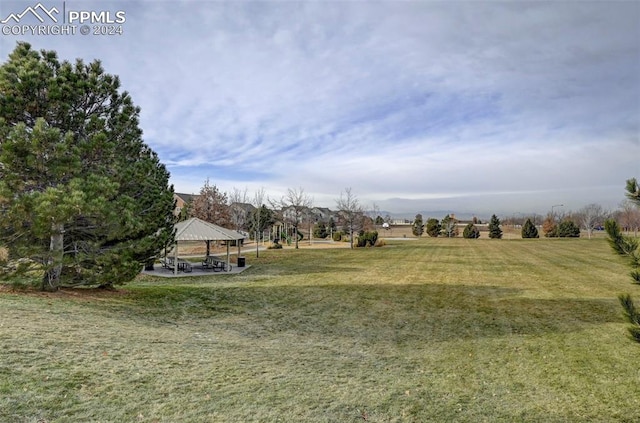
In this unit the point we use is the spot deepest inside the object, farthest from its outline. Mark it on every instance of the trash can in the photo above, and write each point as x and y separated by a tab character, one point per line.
240	261
148	265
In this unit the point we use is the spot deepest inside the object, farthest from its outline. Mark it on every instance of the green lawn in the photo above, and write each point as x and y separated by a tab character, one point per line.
417	331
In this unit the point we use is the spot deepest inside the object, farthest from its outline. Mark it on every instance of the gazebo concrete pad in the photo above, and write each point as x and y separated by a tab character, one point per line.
196	271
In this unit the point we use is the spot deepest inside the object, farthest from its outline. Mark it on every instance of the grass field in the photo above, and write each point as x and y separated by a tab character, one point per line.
430	330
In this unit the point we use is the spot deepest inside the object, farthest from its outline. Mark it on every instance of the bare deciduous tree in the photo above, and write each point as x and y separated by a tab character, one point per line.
211	205
350	212
591	216
237	212
257	202
373	214
628	217
293	205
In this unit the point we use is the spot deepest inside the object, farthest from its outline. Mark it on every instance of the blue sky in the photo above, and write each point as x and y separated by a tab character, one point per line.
470	107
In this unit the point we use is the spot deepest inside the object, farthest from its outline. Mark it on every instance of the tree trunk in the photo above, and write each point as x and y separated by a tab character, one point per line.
257	246
51	278
351	236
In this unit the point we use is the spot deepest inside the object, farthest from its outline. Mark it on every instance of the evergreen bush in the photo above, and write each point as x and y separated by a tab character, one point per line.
529	230
568	229
367	238
433	227
471	231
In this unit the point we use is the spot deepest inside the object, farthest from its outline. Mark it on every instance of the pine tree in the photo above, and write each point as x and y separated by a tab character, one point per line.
261	219
471	231
449	225
630	249
84	200
494	228
418	226
529	230
433	227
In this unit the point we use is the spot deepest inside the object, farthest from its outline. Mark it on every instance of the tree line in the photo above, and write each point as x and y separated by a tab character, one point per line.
258	213
590	218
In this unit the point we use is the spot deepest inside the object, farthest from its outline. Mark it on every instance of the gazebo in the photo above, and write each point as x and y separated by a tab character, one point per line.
195	229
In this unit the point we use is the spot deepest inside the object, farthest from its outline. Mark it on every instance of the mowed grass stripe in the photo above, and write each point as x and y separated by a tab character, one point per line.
428	330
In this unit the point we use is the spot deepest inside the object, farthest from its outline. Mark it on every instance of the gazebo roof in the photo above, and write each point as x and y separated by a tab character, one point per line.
195	229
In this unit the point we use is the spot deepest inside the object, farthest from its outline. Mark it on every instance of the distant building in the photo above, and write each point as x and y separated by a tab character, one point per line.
248	208
182	201
322	214
401	222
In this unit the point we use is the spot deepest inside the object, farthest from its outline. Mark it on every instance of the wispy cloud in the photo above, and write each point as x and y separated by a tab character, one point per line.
399	100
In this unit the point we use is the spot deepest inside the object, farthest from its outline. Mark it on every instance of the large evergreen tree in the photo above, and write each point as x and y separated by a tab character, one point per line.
494	228
628	247
83	199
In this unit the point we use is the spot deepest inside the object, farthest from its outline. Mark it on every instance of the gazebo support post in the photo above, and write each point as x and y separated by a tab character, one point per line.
175	259
228	258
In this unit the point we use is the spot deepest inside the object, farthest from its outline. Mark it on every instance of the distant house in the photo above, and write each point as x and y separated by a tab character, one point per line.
248	208
322	214
182	201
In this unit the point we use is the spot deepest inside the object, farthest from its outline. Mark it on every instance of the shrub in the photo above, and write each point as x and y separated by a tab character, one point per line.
367	239
337	236
549	227
320	231
471	231
568	229
274	246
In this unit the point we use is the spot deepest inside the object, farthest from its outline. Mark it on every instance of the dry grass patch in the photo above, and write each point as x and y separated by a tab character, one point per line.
432	330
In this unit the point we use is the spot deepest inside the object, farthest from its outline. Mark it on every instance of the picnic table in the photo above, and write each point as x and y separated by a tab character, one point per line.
214	263
170	263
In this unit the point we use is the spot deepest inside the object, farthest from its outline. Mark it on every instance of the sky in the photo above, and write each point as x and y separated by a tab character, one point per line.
469	107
